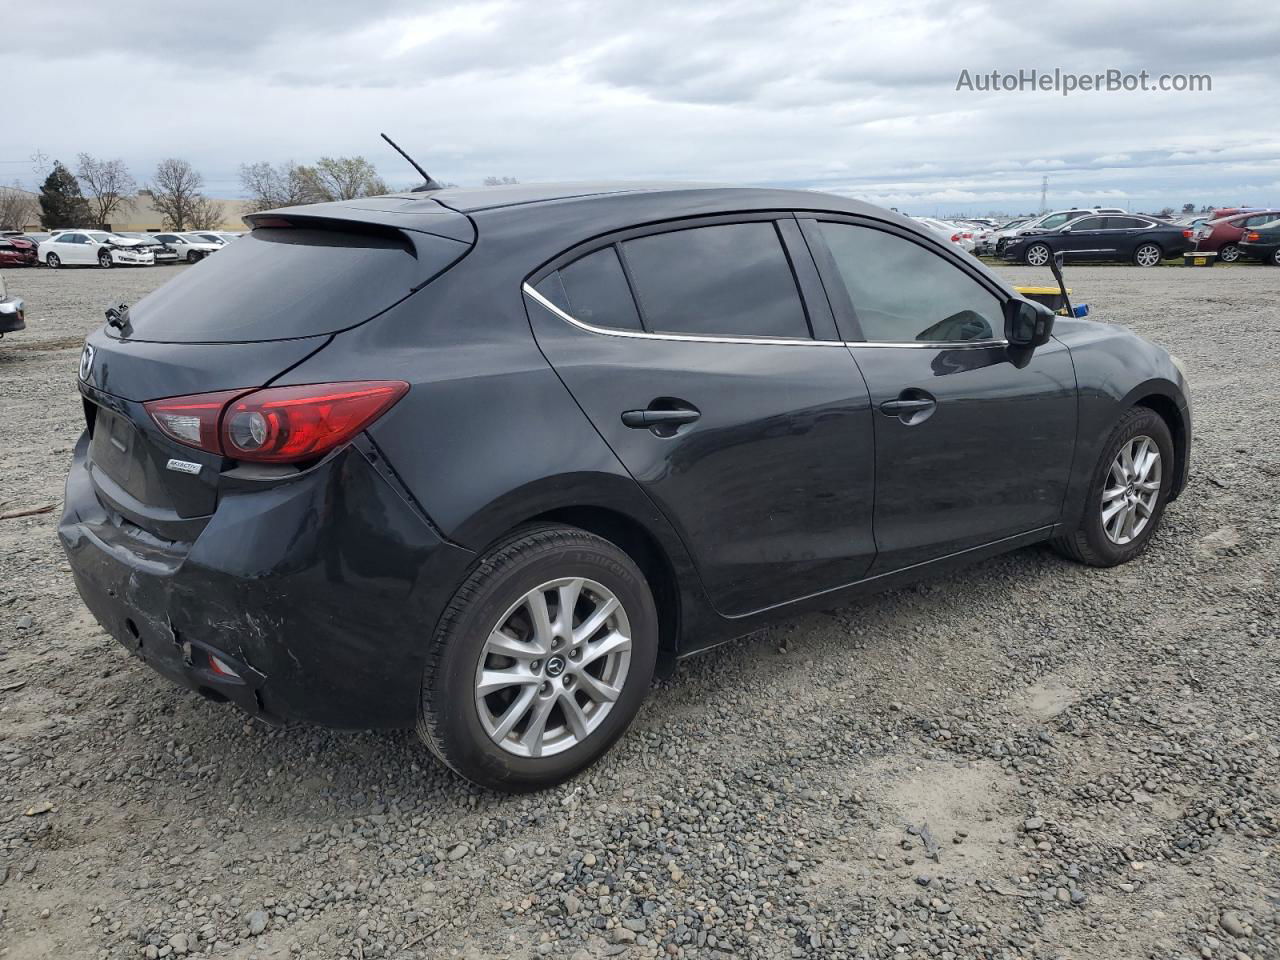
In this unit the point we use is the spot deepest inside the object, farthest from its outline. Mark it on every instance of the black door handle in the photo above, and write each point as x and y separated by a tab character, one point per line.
912	407
896	408
644	419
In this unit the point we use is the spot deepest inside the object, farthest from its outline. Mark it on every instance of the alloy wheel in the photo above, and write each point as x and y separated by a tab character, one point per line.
553	667
54	261
1131	490
1229	254
104	260
1147	255
1038	255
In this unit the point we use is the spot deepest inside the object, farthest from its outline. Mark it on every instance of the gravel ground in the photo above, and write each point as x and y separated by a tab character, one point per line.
1029	759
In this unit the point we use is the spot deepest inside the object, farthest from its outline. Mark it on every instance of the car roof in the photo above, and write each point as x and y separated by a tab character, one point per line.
588	205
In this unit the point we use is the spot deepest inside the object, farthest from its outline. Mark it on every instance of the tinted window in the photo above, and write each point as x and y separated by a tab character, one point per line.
1057	220
1124	223
1088	223
730	280
903	292
279	283
166	238
594	290
70	238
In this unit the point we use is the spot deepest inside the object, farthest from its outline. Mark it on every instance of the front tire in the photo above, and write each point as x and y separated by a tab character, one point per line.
192	256
1275	257
1127	493
104	259
1038	254
540	661
1148	255
53	261
1229	254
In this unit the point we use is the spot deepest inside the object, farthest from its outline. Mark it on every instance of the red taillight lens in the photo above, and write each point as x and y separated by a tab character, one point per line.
1188	233
278	424
1252	238
955	238
192	420
287	424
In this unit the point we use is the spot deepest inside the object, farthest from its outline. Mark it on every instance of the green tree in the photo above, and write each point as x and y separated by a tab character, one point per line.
61	202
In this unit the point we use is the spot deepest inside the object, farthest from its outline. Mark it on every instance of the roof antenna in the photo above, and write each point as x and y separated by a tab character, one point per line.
428	182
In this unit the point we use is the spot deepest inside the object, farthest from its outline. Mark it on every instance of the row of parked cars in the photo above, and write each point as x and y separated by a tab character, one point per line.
105	248
1112	234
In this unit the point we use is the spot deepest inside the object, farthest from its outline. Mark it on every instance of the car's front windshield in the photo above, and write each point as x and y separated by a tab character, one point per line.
102	237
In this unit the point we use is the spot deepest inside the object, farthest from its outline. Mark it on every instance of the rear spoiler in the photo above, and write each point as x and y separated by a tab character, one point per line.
414	214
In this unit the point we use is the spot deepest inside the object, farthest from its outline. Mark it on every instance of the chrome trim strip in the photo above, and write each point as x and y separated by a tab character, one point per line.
680	337
768	341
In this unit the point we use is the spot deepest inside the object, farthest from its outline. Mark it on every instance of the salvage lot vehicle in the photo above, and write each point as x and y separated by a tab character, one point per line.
93	247
477	459
1123	238
1262	243
188	248
1223	236
12	312
17	251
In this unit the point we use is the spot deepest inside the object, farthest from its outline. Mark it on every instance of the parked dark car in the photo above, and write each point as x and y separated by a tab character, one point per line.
1262	243
12	312
1119	238
1223	236
17	252
479	460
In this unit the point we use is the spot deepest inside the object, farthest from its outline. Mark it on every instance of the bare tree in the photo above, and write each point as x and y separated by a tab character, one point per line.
499	181
18	207
284	186
206	214
343	178
175	191
108	187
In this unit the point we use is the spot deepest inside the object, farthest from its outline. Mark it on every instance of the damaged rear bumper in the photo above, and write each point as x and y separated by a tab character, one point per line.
317	595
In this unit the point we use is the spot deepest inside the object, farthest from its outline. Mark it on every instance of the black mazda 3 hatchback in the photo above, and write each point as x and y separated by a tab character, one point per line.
482	460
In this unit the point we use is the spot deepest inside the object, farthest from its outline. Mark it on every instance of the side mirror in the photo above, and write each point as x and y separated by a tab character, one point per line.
1027	324
1065	230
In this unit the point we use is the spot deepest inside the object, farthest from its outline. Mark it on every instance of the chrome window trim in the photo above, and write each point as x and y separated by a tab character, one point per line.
766	341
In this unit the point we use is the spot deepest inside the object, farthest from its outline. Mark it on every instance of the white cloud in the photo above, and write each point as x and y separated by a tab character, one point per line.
856	98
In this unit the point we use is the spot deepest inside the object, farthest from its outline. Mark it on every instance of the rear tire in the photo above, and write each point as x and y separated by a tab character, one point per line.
1148	255
1090	542
585	697
1229	254
1275	257
53	261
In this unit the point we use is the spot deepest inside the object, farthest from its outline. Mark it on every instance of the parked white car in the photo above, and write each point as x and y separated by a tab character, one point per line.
189	247
93	248
961	236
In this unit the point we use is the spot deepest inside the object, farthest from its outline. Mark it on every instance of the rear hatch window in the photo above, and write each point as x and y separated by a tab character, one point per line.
281	283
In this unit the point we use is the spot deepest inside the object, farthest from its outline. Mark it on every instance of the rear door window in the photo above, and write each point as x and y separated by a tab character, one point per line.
282	283
729	280
1088	223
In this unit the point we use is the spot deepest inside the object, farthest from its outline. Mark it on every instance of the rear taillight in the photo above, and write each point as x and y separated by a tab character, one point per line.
278	424
192	420
955	238
1253	237
1188	234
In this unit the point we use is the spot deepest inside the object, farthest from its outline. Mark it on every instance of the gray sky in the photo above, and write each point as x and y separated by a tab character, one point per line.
857	98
